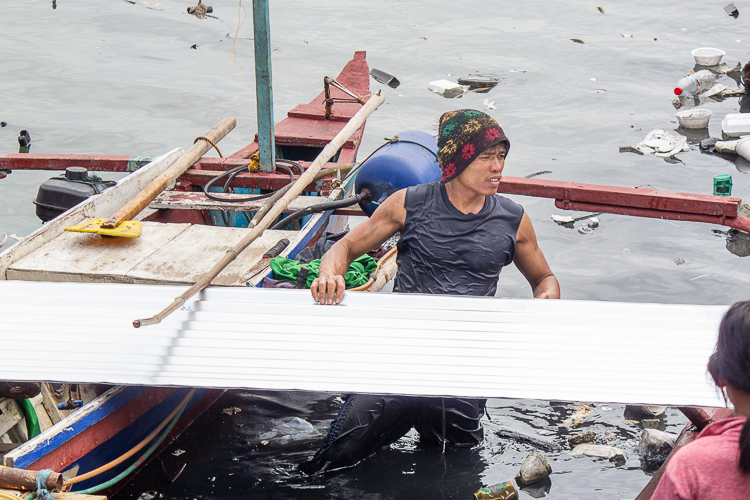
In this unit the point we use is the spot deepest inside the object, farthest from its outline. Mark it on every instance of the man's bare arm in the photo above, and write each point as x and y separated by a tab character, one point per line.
388	219
531	262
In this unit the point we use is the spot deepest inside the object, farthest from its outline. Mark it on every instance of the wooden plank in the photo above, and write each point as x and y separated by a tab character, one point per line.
86	257
10	416
622	196
313	133
258	180
180	200
184	259
101	205
96	163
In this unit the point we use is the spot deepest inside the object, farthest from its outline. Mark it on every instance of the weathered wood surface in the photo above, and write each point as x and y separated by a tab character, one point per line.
12	418
164	254
180	200
101	205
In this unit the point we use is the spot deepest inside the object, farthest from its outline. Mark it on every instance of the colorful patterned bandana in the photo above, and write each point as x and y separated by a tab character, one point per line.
462	136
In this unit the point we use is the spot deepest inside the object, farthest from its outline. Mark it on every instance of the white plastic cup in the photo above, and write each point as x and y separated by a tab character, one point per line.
708	56
694	118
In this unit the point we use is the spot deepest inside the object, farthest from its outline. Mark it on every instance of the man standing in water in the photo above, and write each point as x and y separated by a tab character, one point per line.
457	235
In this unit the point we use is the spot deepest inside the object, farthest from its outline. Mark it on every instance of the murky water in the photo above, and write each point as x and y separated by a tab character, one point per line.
121	78
253	454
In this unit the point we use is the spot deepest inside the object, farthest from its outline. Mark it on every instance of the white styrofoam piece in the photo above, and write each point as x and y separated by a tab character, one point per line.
378	343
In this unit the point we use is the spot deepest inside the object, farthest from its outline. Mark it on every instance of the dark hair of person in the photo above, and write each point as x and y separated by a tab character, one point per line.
731	362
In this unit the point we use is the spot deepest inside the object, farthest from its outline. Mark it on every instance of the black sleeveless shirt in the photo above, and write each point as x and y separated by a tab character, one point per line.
445	251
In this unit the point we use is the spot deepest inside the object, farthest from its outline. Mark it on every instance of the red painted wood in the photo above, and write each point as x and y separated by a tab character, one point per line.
623	197
741	223
312	133
100	163
108	427
200	217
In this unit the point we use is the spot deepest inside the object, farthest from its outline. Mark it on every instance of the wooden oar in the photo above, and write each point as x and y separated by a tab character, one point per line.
120	224
331	148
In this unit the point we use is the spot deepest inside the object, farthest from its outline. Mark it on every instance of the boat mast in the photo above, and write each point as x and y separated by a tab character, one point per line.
263	91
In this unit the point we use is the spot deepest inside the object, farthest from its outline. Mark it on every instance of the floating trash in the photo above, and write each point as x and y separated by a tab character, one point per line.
663	143
200	10
385	78
446	88
586	437
732	10
600	10
500	491
578	40
517	70
489	104
600	450
478	82
655	446
566	219
231	411
534	468
581	413
24	141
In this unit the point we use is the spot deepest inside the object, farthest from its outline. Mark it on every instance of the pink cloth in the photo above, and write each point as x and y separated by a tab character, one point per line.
707	468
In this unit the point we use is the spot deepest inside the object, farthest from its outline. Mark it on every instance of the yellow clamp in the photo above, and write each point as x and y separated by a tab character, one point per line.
254	165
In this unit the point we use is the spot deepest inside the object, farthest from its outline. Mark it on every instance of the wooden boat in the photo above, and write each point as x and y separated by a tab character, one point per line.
183	230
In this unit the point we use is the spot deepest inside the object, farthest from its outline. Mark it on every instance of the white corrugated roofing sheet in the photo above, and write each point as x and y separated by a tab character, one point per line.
378	343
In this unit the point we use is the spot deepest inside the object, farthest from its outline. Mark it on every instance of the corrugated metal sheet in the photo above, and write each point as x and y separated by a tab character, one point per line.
380	343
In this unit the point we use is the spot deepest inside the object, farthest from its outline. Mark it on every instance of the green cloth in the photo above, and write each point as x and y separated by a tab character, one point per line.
357	275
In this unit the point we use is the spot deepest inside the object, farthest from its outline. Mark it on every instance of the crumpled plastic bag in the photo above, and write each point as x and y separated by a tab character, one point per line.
663	143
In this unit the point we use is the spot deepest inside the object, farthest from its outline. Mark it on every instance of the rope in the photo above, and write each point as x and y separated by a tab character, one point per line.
240	22
210	142
41	485
139	161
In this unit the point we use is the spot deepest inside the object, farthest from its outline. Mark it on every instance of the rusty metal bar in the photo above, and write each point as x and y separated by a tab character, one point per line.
21	479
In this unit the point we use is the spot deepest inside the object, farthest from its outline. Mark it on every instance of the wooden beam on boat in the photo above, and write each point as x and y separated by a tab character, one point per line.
622	196
257	180
180	200
438	345
98	163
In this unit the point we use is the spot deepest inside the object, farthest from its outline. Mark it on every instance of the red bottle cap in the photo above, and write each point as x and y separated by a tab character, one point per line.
678	90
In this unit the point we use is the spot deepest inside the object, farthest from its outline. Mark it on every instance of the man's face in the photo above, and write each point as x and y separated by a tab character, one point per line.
483	174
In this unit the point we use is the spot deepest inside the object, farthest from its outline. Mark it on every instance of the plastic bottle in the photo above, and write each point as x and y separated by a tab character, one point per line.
696	83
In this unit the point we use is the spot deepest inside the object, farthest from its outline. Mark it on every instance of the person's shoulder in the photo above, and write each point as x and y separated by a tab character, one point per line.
424	188
509	205
703	453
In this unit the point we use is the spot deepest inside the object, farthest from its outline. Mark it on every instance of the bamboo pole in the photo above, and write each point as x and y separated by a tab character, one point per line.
192	155
305	179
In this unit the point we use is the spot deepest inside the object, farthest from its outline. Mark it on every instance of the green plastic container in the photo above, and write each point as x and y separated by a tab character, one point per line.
722	185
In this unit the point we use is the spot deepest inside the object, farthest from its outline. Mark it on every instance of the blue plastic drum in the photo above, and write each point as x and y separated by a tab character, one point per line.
407	161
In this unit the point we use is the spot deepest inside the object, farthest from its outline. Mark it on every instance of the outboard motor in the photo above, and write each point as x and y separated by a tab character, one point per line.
59	194
408	160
